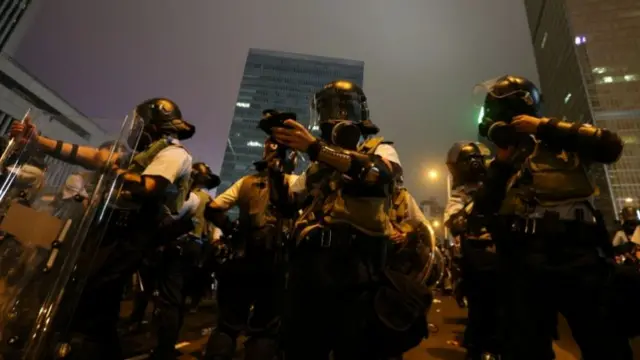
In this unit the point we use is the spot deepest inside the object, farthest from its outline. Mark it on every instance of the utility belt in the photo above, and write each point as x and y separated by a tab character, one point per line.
550	222
344	236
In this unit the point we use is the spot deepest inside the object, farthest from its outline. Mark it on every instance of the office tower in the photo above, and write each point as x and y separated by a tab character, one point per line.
588	58
276	80
11	11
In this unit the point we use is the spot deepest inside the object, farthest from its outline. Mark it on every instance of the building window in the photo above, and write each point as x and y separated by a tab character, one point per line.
243	105
631	77
599	70
607	79
544	40
567	98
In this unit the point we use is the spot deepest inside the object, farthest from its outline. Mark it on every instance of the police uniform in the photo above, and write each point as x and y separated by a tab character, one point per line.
111	254
467	163
552	245
339	287
248	285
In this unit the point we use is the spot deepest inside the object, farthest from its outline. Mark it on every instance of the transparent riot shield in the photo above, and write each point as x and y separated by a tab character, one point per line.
48	209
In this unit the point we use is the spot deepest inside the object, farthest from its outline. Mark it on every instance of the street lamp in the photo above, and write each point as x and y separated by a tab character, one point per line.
433	175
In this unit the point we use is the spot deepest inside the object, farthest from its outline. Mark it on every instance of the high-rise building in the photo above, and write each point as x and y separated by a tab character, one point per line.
588	58
20	91
276	80
11	13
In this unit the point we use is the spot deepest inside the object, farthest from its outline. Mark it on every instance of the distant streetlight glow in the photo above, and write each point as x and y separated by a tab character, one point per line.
432	174
628	200
435	224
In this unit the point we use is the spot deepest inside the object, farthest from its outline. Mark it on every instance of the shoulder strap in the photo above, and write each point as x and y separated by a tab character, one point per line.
144	158
370	145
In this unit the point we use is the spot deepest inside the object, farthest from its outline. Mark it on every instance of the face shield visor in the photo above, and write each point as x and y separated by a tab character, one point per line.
138	138
507	97
338	116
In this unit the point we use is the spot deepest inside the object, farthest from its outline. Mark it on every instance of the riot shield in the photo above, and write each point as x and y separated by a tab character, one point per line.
47	210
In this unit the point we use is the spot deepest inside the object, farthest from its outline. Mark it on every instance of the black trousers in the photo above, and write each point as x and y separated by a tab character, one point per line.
480	270
332	302
248	302
164	276
561	271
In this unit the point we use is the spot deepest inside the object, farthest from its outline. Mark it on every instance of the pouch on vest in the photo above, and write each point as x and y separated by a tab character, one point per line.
176	193
367	214
549	178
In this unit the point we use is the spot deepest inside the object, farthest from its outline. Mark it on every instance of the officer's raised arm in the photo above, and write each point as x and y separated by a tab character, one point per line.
590	142
85	156
342	123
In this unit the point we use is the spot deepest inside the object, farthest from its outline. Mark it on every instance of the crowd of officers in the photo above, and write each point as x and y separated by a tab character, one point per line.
336	261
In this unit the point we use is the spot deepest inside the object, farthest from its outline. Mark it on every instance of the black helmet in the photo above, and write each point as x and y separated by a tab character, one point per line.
201	175
508	96
342	105
467	162
629	213
161	117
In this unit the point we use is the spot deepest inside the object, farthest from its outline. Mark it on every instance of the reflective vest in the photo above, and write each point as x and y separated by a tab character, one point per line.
331	205
177	192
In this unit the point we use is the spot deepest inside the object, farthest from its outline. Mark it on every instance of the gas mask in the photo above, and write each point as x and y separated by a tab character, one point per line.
344	133
506	97
467	162
340	112
278	157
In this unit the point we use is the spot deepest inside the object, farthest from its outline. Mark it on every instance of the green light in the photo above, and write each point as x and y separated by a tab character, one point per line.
481	115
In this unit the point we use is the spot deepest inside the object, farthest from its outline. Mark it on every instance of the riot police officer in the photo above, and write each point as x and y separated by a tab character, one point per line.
343	234
552	244
467	163
249	286
178	259
154	187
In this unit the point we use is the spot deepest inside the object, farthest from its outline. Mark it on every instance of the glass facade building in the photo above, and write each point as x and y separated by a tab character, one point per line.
276	80
588	58
11	11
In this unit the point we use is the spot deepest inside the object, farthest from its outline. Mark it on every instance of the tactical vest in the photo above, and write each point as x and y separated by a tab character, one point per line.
177	192
202	227
547	178
331	205
399	212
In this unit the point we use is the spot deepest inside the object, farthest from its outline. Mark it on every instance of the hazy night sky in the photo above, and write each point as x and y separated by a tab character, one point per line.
422	59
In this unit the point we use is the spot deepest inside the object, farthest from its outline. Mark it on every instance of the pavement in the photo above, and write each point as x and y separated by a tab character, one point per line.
445	316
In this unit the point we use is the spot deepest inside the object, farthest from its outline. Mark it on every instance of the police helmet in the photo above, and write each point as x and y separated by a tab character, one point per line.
161	117
467	161
202	175
509	96
341	101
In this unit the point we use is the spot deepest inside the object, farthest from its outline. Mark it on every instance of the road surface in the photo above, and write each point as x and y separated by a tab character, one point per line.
447	317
